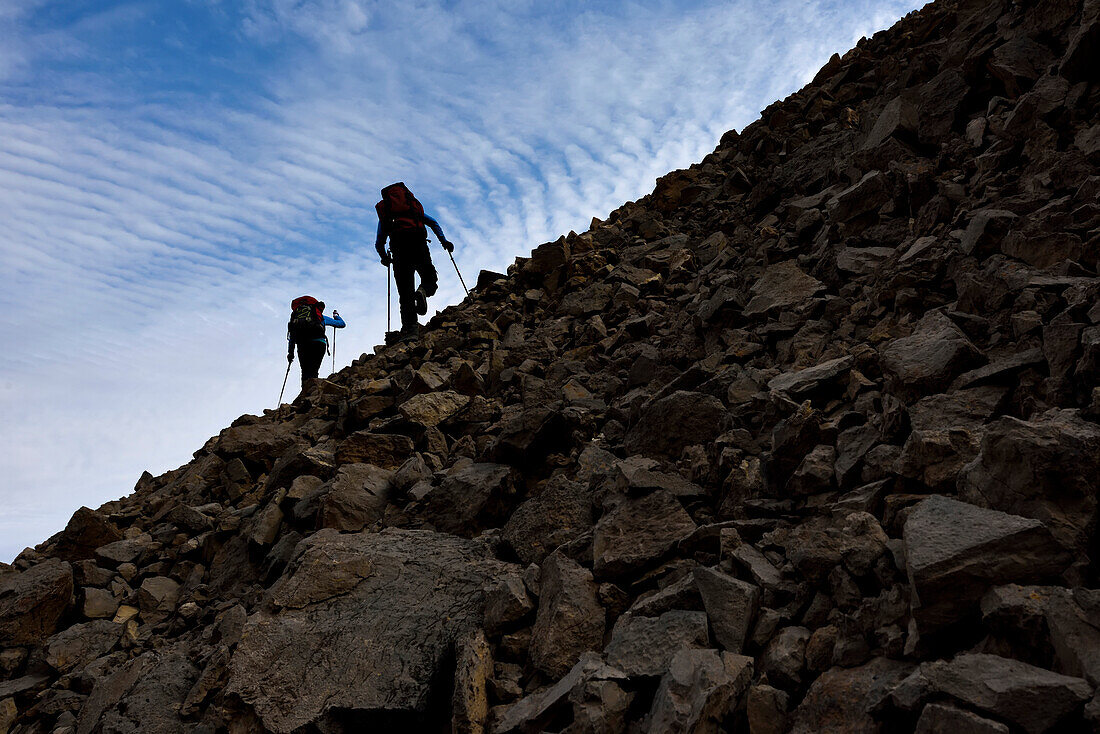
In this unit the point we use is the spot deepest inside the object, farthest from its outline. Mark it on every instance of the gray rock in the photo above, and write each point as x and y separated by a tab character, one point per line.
470	498
80	644
668	425
357	499
818	546
506	602
809	379
157	598
99	603
1045	469
531	713
899	117
766	710
360	603
32	602
839	701
143	696
955	551
937	717
782	286
129	550
86	531
699	691
815	474
866	195
570	619
558	514
863	260
785	655
1032	698
643	646
431	409
637	533
731	606
985	231
381	450
929	359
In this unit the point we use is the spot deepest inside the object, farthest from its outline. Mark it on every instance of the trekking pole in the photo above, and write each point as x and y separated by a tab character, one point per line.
334	349
387	298
460	280
288	363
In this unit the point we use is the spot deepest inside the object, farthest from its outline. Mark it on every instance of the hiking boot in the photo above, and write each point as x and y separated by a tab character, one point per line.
410	332
421	301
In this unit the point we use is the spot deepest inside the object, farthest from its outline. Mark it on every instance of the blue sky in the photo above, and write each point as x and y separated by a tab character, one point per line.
172	173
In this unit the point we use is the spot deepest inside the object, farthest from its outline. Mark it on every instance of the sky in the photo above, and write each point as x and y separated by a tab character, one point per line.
174	172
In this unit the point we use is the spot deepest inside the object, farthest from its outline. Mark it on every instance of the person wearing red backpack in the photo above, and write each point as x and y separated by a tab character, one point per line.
401	218
306	329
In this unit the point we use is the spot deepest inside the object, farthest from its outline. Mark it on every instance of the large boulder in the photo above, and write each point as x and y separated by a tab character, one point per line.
668	425
359	604
556	515
699	691
86	531
929	359
643	646
782	286
638	532
383	450
1045	468
358	497
1034	699
839	701
570	619
470	498
731	605
32	602
955	551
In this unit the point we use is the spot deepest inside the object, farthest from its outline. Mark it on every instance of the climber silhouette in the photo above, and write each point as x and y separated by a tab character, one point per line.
306	329
401	218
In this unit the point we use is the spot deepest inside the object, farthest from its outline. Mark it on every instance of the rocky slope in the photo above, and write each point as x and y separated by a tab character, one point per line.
806	440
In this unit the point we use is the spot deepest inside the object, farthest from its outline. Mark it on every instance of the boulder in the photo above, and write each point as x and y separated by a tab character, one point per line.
643	646
862	197
157	598
782	286
532	712
839	701
937	717
929	359
637	533
80	644
699	691
86	531
143	696
33	601
668	425
556	515
1044	468
357	499
1031	698
432	408
470	498
807	380
361	603
382	450
570	619
955	551
731	606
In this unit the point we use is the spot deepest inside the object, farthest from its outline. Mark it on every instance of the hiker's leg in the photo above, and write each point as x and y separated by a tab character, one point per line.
429	280
310	355
403	271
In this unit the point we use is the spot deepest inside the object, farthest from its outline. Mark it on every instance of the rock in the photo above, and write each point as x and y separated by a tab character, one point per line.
381	450
766	709
781	287
839	701
506	602
557	515
638	533
258	443
265	528
99	603
80	644
1044	469
938	717
570	619
128	550
1031	698
157	597
811	378
862	197
33	601
699	691
431	409
955	551
785	655
360	603
815	473
141	697
470	702
470	498
929	360
731	606
532	712
984	233
668	425
899	118
357	499
86	531
8	714
855	541
863	260
644	646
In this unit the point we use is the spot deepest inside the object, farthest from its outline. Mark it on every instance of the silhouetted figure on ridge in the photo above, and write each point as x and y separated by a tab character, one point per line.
306	329
401	218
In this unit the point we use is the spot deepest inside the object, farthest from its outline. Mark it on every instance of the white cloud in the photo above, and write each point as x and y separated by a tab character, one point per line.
152	247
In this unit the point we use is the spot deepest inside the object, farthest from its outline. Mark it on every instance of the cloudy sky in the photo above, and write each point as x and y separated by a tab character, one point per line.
173	172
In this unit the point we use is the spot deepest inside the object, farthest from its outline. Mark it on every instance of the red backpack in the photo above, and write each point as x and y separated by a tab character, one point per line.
399	209
307	319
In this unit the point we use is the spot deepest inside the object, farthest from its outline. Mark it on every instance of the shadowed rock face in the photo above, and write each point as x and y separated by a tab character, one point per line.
805	440
351	607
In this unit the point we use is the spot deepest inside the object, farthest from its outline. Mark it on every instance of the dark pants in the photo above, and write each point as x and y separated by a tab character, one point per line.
310	356
410	255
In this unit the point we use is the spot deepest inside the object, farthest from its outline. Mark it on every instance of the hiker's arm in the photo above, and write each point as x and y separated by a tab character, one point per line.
337	320
380	240
435	228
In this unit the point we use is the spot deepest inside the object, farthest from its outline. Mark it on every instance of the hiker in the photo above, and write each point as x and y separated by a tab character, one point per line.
307	329
401	218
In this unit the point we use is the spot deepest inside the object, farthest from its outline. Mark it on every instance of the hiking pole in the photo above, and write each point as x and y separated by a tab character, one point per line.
334	349
387	298
460	280
288	363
